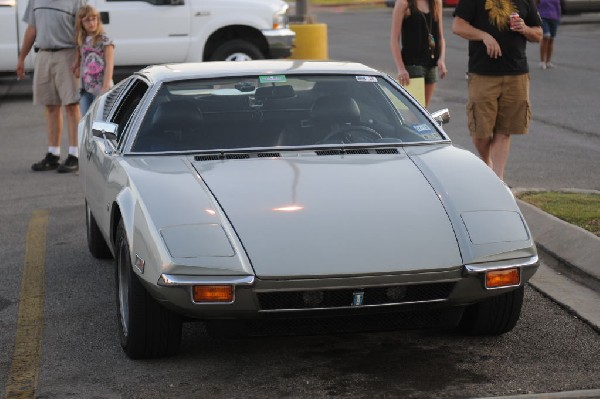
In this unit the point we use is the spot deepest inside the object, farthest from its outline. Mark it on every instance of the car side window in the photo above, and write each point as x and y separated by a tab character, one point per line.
125	109
112	98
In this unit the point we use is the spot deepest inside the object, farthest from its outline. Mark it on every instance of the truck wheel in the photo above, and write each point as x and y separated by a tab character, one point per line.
146	328
96	243
494	316
237	50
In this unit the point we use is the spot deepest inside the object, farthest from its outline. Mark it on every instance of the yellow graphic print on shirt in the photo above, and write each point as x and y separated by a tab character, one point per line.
499	12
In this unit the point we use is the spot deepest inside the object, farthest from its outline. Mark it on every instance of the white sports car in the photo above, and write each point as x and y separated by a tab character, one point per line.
321	195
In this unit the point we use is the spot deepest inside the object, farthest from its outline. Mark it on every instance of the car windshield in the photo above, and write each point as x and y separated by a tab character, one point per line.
281	111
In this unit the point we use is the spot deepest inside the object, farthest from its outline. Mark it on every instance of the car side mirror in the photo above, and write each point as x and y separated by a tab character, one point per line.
106	130
442	116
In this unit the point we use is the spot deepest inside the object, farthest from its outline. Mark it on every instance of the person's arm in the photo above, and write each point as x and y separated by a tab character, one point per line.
442	41
109	65
467	31
398	14
77	63
28	40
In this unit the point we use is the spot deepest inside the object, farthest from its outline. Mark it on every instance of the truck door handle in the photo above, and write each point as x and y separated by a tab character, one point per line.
104	17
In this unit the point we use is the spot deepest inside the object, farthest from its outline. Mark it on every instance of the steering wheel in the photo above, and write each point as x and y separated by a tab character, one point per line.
351	134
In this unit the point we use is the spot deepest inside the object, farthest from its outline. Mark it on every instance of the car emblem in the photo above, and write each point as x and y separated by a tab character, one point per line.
358	298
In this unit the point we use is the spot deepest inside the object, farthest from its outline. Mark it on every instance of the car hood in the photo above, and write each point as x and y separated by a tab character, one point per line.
301	214
309	214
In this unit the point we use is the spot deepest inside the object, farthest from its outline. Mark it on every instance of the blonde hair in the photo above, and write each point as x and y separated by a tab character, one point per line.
80	33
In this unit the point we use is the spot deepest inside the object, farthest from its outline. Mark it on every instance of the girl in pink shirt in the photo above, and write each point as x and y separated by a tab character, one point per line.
95	56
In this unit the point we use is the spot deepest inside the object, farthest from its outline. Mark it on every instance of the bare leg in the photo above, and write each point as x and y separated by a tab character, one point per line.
549	48
429	88
494	152
73	117
543	46
483	146
54	124
500	148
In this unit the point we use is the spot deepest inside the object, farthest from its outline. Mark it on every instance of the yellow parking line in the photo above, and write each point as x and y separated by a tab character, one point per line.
24	368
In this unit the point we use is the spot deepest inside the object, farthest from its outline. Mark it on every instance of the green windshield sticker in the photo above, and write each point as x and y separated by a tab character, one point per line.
272	79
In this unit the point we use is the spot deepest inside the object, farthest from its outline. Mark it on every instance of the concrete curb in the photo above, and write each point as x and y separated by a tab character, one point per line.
570	269
573	249
592	393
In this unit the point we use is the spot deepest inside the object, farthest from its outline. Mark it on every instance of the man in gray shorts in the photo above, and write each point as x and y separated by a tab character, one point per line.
51	27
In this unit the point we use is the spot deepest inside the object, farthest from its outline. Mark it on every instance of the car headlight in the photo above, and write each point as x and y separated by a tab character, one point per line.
197	240
486	227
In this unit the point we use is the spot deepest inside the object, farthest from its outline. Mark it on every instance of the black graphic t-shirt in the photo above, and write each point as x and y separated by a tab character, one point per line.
492	16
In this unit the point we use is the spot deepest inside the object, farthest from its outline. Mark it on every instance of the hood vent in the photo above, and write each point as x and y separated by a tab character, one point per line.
218	157
336	151
358	151
387	151
268	155
341	152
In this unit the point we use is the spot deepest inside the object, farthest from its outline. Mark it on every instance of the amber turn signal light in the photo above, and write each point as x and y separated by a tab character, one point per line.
502	278
212	293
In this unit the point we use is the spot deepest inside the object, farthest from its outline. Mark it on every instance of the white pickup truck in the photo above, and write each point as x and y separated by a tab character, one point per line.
149	32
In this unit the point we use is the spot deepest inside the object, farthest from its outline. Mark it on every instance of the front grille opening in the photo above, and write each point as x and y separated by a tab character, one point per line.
346	297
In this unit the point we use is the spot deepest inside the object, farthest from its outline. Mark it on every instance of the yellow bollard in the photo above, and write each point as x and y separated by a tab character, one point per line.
310	42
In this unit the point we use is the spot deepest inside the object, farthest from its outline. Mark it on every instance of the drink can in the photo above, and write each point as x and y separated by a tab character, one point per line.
514	17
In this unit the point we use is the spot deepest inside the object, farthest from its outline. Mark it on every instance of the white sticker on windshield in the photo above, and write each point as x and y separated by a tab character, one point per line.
370	79
422	128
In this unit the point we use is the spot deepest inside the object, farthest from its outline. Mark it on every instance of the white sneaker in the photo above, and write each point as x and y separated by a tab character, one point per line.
543	65
550	65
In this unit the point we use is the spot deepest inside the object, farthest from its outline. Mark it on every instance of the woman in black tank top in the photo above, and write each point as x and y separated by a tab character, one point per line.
417	42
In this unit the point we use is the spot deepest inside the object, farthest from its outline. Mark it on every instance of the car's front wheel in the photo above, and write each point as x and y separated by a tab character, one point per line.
494	316
96	243
146	328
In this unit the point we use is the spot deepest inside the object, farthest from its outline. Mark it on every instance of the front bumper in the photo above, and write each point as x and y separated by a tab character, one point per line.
280	42
302	298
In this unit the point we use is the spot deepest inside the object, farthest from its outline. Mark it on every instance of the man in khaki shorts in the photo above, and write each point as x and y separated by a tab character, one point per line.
498	104
51	26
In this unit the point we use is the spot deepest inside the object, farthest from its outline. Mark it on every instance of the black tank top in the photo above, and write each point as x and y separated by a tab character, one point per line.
415	39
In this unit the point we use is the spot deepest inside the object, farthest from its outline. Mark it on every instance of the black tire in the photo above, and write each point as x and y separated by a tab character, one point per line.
96	243
494	316
146	328
237	50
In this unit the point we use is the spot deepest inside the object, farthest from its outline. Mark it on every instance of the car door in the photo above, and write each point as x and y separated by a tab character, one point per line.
147	31
8	35
102	182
